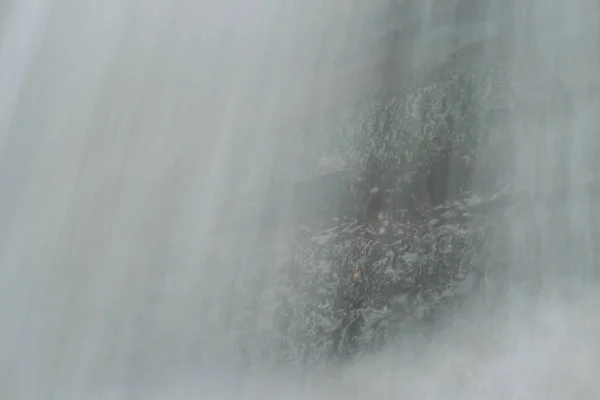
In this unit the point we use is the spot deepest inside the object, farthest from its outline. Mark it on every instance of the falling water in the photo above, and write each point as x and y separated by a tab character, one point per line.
138	137
555	124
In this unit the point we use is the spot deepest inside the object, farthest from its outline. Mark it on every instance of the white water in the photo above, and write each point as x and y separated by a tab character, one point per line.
127	129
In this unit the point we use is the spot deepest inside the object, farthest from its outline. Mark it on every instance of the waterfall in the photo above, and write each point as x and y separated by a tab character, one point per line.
143	144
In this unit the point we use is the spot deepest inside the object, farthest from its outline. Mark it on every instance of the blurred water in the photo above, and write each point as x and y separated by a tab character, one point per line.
129	128
555	124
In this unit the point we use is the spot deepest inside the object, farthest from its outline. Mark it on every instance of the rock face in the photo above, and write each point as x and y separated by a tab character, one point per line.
399	237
